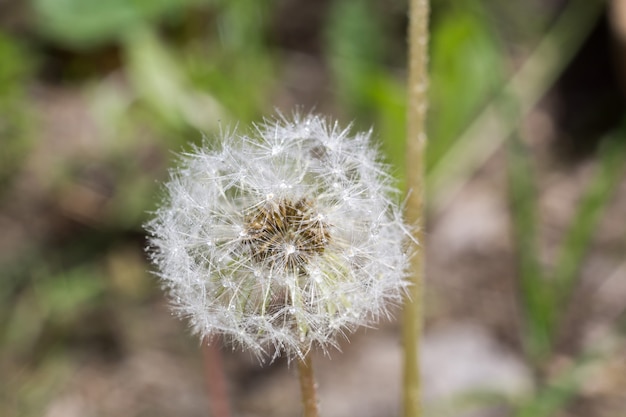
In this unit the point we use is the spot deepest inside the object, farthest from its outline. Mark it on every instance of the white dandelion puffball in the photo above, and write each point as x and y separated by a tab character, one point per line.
283	238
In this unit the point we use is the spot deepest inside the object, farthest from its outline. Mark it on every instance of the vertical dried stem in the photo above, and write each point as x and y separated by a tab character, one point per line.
416	144
307	386
216	380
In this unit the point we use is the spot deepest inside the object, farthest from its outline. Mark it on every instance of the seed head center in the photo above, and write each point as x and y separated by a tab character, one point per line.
285	234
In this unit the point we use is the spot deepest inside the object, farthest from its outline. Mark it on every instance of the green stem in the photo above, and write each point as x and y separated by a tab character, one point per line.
307	386
416	144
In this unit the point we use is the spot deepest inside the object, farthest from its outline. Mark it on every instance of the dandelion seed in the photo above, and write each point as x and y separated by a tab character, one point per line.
281	239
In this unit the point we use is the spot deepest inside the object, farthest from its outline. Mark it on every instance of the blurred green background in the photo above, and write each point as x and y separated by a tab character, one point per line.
97	97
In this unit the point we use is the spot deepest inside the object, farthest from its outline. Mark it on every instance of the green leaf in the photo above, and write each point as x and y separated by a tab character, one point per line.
536	296
466	68
611	167
355	43
15	122
85	23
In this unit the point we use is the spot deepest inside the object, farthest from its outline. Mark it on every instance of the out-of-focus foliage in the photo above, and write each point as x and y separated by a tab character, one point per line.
466	68
88	23
356	48
370	92
235	63
15	71
544	304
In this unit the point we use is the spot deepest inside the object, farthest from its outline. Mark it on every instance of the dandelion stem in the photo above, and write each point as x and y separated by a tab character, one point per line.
307	386
216	380
416	144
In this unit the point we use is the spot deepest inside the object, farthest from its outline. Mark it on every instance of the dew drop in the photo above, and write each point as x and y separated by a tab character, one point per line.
316	276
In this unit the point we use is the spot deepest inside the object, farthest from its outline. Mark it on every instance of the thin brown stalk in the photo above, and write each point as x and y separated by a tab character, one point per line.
219	405
308	387
416	145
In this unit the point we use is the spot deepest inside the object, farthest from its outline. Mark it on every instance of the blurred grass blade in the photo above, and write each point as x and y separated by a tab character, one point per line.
160	80
155	75
355	48
536	297
358	48
543	299
466	68
611	167
554	396
16	122
490	128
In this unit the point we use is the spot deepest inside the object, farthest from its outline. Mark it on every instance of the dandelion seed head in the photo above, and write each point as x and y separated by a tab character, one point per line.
283	238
